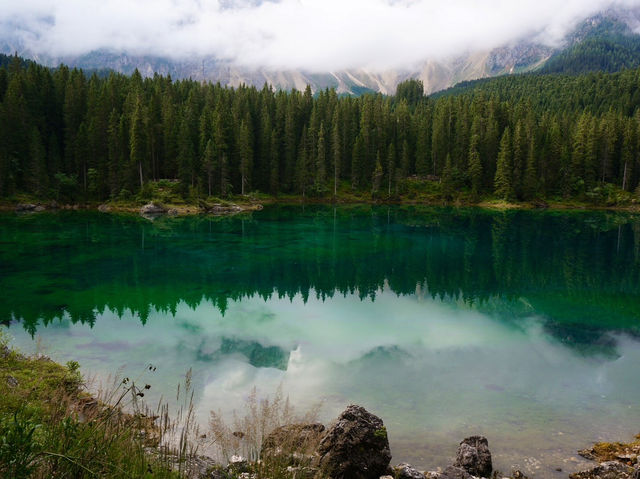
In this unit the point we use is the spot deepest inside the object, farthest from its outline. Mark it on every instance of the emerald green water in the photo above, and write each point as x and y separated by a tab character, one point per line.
523	326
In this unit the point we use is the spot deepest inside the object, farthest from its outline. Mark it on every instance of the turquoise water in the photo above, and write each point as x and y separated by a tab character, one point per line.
523	326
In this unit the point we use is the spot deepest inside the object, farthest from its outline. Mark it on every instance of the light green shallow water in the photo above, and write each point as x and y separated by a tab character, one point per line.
522	326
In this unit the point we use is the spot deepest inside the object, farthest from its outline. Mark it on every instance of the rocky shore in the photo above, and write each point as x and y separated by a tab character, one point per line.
150	210
356	446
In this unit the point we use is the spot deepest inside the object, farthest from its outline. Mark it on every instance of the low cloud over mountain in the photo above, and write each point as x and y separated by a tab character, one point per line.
310	35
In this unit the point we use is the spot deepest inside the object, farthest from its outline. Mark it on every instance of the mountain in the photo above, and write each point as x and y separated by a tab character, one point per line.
607	42
436	75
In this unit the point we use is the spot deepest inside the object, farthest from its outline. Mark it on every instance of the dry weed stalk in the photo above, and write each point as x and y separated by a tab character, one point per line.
245	434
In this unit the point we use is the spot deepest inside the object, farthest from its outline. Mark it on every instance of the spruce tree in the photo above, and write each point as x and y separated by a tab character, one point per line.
320	163
502	185
246	157
475	166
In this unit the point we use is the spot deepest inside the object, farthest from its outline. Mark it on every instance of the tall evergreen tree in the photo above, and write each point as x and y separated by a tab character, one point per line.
502	183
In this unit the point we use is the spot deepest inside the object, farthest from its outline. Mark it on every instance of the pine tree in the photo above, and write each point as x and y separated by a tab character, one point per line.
475	166
502	185
530	185
337	151
320	176
519	158
391	166
246	157
209	163
448	186
37	167
303	169
376	177
137	140
357	162
628	153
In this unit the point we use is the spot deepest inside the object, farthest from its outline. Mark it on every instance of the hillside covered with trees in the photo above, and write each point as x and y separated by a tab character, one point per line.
71	137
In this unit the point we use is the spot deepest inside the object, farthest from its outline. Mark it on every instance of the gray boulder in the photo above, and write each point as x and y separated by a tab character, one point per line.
474	456
607	470
355	447
407	471
151	209
20	207
453	472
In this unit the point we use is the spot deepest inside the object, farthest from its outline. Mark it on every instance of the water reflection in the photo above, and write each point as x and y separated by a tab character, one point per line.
518	325
435	371
571	268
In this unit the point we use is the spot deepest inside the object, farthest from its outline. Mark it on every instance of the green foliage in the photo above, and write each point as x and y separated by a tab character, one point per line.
49	427
66	186
74	138
605	45
18	448
411	91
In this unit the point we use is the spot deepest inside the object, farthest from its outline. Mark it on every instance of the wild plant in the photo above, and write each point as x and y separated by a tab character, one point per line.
244	435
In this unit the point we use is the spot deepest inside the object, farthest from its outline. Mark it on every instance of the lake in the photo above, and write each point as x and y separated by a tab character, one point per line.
522	326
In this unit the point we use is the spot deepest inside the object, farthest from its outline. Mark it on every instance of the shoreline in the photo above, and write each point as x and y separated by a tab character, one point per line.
244	205
146	431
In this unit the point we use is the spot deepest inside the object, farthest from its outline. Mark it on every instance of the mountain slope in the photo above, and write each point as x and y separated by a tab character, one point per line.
600	44
605	42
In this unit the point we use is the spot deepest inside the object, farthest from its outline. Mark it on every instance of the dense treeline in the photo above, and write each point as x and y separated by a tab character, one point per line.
73	137
609	54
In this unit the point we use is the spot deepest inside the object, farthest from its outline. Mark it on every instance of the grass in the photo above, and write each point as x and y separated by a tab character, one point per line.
51	427
245	435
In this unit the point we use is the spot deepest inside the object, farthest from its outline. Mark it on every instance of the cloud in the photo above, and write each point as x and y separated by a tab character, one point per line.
315	35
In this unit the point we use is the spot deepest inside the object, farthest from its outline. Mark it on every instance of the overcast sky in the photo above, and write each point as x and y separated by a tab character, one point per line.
316	35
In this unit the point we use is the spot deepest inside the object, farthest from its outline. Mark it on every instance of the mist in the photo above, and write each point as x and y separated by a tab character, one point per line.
313	35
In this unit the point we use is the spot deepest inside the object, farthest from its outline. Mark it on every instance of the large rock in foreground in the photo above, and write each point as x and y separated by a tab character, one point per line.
474	456
356	447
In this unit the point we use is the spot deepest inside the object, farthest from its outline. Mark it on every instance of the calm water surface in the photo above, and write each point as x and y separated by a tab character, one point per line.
522	326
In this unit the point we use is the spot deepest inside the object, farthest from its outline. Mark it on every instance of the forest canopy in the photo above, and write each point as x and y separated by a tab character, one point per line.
74	137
